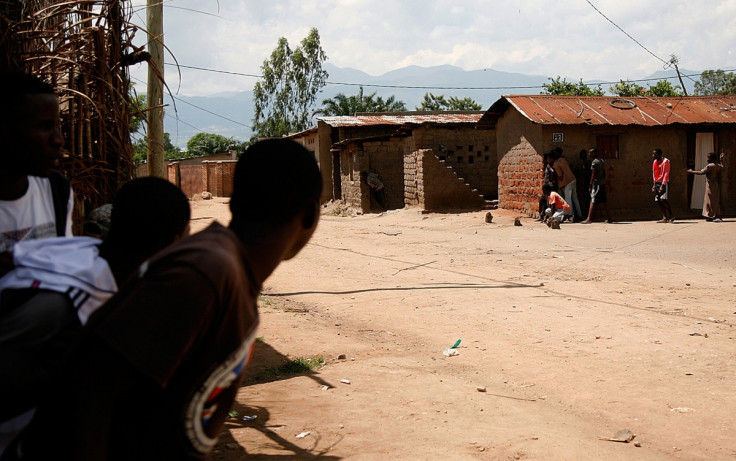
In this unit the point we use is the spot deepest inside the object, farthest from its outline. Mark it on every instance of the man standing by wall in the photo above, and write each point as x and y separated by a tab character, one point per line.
597	186
661	187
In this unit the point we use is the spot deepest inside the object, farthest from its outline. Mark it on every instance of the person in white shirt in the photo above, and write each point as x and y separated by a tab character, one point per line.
56	284
30	147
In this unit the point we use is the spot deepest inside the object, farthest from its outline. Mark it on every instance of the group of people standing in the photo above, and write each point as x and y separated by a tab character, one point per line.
555	208
558	177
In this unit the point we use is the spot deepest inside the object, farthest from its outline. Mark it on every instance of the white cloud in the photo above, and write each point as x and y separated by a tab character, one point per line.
569	39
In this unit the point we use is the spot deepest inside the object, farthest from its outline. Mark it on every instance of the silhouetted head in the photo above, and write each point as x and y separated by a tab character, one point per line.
712	157
593	152
657	154
148	214
30	132
547	189
275	180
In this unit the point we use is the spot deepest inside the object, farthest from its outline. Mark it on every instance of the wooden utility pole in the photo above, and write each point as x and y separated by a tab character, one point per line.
155	94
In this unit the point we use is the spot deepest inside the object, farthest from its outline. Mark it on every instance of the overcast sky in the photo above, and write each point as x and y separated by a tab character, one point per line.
568	38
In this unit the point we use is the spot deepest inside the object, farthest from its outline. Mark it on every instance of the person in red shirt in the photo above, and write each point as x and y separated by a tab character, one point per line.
558	209
661	187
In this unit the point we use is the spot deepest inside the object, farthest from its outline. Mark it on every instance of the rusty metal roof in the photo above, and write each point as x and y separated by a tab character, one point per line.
402	118
603	110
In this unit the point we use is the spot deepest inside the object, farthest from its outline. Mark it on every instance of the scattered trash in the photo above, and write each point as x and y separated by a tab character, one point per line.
345	381
342	357
682	410
695	334
481	388
624	436
249	418
457	343
517	221
303	434
449	352
324	388
637	444
233	414
541	284
489	217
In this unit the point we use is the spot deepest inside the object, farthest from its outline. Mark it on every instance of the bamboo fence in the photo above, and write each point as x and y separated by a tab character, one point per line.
83	49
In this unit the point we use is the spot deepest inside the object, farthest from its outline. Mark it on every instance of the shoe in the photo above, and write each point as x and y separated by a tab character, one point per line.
709	219
663	220
718	220
539	220
672	220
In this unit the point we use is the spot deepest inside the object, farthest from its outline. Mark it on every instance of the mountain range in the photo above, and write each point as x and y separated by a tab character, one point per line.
231	114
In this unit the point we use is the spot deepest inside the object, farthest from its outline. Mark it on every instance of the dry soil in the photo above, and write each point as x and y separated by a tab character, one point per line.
566	337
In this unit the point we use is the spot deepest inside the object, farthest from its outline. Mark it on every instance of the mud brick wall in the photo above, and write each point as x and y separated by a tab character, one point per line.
412	167
520	180
439	188
217	177
471	153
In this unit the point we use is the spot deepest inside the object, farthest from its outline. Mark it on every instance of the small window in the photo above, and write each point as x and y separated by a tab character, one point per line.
458	147
607	145
478	153
442	158
450	153
459	160
486	148
470	148
486	158
471	159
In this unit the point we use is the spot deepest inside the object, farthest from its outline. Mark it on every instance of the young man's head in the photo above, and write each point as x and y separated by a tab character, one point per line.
30	132
593	152
547	189
148	214
276	181
712	157
657	154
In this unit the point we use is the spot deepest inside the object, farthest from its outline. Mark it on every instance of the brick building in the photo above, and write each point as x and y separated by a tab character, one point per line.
457	161
625	131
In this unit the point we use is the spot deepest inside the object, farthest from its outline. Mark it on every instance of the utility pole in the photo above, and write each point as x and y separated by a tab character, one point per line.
155	94
674	60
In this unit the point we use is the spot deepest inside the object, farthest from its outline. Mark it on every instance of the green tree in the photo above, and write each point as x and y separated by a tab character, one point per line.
140	149
202	144
288	88
432	102
137	112
716	82
663	88
350	105
561	86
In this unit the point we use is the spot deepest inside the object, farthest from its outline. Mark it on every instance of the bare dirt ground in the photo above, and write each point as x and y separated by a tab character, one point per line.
568	336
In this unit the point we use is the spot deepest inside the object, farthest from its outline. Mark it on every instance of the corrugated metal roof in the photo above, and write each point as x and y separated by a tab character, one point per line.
389	118
601	110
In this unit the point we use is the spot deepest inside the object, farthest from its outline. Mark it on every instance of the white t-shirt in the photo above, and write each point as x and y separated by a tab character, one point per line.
70	265
31	216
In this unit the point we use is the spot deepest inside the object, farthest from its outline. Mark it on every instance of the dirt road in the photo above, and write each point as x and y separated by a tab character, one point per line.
567	336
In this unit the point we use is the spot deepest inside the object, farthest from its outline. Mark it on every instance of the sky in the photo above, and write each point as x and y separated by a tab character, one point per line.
574	39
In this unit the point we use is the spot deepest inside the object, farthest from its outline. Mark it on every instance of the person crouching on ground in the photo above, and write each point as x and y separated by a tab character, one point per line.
558	209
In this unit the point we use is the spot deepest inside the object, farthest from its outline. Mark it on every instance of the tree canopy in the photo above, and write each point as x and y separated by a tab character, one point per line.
202	144
561	86
716	82
288	87
663	88
432	102
350	105
140	149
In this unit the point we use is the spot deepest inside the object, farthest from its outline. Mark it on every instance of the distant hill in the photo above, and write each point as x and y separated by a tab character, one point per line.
231	114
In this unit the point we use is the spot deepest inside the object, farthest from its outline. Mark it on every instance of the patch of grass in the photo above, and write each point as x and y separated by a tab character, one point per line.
286	305
292	367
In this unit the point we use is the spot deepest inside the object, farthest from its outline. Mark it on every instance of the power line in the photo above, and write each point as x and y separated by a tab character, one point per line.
371	85
626	33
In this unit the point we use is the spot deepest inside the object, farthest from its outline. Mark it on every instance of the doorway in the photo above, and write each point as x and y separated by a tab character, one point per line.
704	144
